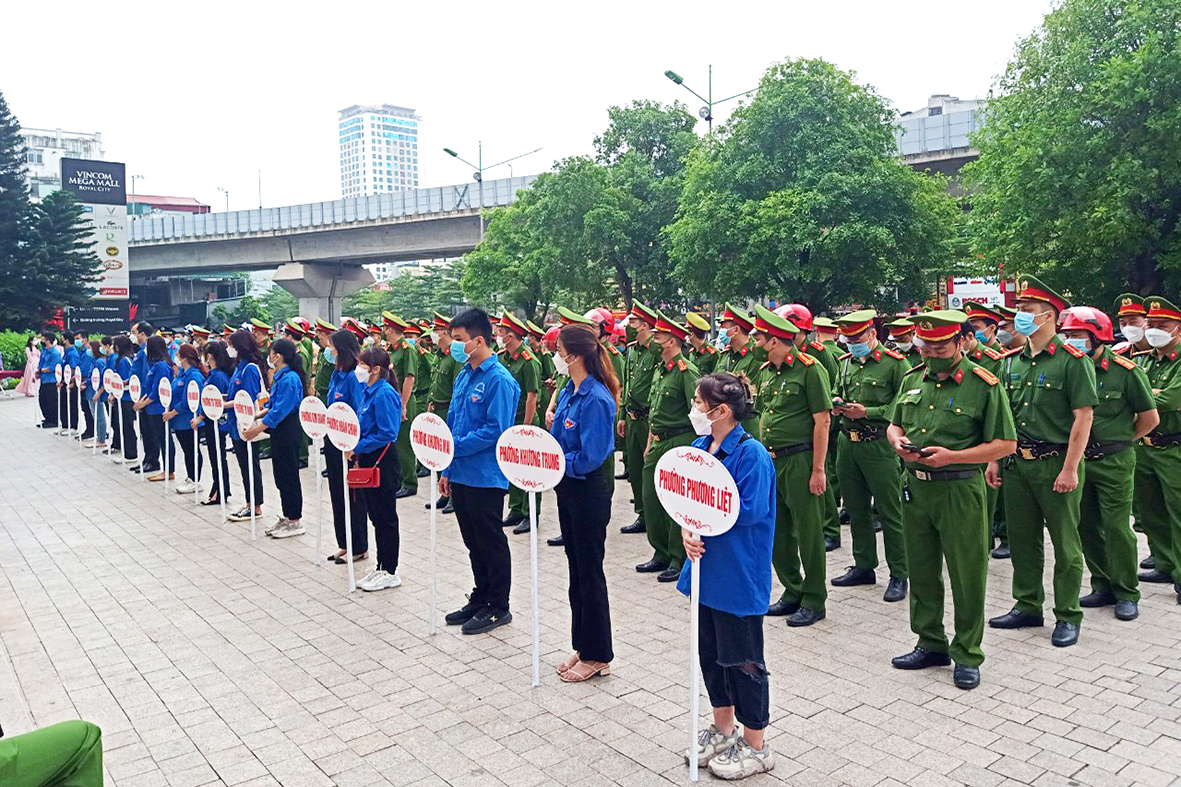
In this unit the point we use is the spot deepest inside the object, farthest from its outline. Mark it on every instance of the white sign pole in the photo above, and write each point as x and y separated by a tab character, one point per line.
133	384
164	393
344	430
57	377
81	404
244	411
93	404
213	405
348	523
434	447
533	573
694	657
193	394
433	612
250	491
313	417
221	470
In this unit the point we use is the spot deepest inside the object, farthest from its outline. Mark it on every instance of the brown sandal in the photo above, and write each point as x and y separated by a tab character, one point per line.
585	670
570	661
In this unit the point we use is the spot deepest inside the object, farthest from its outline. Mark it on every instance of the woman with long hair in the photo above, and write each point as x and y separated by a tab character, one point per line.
247	377
155	435
281	421
343	350
123	352
220	367
180	417
584	425
29	382
380	415
96	397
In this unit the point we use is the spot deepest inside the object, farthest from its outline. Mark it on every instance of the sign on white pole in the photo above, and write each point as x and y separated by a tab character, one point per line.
244	413
81	399
136	389
531	459
700	495
434	447
57	373
94	404
164	394
344	432
193	396
313	417
95	378
213	406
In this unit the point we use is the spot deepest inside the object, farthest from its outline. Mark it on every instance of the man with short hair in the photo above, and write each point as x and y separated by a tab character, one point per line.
1133	319
703	354
984	350
47	394
404	364
741	357
526	370
442	382
643	355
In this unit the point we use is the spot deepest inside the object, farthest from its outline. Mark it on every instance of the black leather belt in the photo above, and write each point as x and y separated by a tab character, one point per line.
790	450
1030	449
668	434
942	475
1100	450
862	434
637	413
1155	440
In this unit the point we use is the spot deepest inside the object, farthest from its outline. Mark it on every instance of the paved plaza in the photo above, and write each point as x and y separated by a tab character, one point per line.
208	658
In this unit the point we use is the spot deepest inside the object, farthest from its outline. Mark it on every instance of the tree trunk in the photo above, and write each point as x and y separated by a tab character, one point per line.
625	283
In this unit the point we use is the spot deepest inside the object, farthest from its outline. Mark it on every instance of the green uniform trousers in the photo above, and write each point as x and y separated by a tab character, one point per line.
663	533
69	754
1109	545
832	495
405	452
1158	503
1032	507
799	533
635	439
948	521
869	471
518	502
995	507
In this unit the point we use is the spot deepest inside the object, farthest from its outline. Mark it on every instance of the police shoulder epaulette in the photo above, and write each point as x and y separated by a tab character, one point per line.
1127	363
817	346
1138	353
893	353
917	367
985	375
422	350
846	355
525	354
1013	351
991	353
765	365
1076	352
405	345
682	365
711	350
611	348
805	359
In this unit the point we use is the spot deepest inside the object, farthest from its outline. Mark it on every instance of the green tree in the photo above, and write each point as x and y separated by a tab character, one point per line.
1078	177
279	304
248	307
801	196
410	295
16	234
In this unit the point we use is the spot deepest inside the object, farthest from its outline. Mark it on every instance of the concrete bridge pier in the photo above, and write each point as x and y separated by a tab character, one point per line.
320	287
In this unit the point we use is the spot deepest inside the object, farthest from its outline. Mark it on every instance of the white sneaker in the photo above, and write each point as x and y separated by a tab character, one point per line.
186	487
711	743
368	576
241	515
288	529
279	523
381	580
740	761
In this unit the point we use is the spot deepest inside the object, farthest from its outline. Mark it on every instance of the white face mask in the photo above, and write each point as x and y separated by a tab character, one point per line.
232	351
903	346
435	337
560	365
500	342
270	363
1133	333
134	338
700	420
369	341
1157	337
362	374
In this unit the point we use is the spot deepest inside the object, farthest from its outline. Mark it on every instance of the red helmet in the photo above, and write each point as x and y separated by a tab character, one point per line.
551	338
354	326
1087	318
797	314
302	323
619	332
599	314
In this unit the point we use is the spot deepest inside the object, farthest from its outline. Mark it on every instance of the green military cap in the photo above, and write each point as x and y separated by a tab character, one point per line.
1160	307
824	322
262	326
854	323
513	323
297	325
900	326
1031	288
391	320
645	313
940	325
568	317
533	329
1129	304
227	329
732	313
323	326
667	324
1006	312
770	323
980	311
696	322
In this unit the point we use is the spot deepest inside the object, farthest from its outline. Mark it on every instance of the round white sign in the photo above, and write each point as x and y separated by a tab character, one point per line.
116	385
107	375
95	379
431	441
530	458
697	491
344	430
164	392
57	373
243	412
135	388
211	402
313	417
77	376
193	395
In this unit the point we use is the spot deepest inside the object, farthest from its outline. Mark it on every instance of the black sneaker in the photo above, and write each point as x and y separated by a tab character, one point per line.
405	492
1148	563
522	527
487	619
464	614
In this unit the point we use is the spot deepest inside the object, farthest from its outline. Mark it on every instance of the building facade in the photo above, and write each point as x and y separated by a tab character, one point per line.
378	149
937	137
44	150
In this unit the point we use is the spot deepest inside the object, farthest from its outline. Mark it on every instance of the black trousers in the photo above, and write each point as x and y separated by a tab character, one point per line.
584	510
68	404
244	462
380	500
215	445
127	433
358	515
285	466
193	462
114	424
480	511
87	416
155	437
730	650
48	399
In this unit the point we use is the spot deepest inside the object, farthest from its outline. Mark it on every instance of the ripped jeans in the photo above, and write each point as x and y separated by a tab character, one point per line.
732	665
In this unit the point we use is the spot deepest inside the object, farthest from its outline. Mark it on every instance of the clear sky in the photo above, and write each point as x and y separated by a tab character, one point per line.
198	95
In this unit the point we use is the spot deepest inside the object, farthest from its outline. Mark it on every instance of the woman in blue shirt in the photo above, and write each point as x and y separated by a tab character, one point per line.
86	359
584	426
47	395
121	353
343	350
281	421
735	584
220	367
71	347
155	435
380	415
247	377
180	416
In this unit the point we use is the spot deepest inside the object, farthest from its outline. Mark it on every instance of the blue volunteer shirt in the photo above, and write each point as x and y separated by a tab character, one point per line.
70	358
86	365
159	371
584	425
736	566
50	357
380	414
123	368
286	394
183	422
248	378
483	406
139	366
345	387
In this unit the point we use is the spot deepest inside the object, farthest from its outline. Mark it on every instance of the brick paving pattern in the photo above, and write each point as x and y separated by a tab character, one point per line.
208	659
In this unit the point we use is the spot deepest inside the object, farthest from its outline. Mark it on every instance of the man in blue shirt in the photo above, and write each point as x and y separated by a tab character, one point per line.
483	405
139	367
69	393
47	396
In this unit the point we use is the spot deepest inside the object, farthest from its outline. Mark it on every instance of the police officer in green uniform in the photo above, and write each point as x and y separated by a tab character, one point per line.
1125	413
901	341
1133	319
948	421
545	358
741	357
404	363
868	378
794	404
703	354
443	375
297	329
422	379
1051	387
984	350
263	336
526	370
674	385
643	356
326	360
1158	457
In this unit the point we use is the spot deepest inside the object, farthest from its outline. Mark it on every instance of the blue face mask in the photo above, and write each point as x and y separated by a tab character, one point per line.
458	352
412	341
725	339
1080	344
78	343
859	349
1004	337
1025	323
982	337
329	355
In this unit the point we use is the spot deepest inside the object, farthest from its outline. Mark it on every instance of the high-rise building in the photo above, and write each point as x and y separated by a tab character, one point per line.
44	150
378	149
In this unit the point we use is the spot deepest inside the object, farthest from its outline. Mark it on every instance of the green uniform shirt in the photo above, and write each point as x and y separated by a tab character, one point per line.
526	370
963	410
674	385
426	367
789	396
1164	375
618	361
443	378
640	366
705	359
984	356
826	355
911	356
403	362
834	348
1123	391
873	381
306	354
1045	390
324	371
547	367
745	361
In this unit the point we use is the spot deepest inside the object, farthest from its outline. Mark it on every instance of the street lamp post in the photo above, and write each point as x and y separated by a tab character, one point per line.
223	191
707	111
479	173
134	209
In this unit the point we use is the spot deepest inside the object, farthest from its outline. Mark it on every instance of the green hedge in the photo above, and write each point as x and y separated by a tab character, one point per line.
12	345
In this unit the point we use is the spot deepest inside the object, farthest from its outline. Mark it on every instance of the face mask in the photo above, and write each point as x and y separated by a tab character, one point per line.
1005	337
458	352
435	337
500	342
859	349
1025	323
412	341
1158	338
270	363
560	365
1080	344
982	337
362	374
629	333
232	351
329	355
725	338
369	341
105	350
700	421
903	346
941	365
1133	333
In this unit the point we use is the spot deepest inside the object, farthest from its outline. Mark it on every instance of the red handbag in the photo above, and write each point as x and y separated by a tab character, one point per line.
366	477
